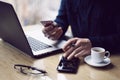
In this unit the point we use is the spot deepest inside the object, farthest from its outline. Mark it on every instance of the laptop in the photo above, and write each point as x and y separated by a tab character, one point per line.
12	32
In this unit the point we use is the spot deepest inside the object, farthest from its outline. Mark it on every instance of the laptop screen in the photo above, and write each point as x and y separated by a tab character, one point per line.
11	30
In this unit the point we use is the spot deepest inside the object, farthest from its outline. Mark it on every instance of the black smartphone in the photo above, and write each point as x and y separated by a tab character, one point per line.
49	22
45	23
68	66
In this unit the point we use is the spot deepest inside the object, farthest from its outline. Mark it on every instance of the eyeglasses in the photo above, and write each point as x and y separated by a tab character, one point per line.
28	69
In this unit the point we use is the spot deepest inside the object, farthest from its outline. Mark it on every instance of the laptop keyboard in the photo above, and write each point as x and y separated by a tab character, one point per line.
37	45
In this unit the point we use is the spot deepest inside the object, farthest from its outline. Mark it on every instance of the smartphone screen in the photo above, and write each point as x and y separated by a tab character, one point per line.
69	66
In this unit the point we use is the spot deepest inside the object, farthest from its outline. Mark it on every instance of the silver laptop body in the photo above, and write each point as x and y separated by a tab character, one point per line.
12	33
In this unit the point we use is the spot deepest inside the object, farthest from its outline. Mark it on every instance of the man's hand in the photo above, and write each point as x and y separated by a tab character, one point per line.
52	30
77	47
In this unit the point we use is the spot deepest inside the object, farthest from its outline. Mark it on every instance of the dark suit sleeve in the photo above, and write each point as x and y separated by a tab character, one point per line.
61	18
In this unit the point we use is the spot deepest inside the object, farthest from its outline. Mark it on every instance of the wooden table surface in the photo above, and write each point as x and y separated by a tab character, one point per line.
10	56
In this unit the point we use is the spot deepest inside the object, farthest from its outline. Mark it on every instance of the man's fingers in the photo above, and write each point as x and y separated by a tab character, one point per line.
68	52
58	34
55	33
69	43
82	53
76	51
77	47
48	29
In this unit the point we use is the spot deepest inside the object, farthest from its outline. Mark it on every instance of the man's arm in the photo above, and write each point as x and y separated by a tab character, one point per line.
61	18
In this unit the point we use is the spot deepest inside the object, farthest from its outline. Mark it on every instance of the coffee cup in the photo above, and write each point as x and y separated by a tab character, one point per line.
98	54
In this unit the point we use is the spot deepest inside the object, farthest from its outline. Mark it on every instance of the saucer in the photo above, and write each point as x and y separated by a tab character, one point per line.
106	62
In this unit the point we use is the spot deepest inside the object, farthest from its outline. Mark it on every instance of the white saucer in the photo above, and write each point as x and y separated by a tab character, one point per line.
106	62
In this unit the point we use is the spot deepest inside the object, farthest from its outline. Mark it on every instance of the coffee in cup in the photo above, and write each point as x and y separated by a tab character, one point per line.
98	54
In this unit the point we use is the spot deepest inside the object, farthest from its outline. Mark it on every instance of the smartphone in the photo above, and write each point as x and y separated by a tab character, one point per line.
49	22
45	23
69	66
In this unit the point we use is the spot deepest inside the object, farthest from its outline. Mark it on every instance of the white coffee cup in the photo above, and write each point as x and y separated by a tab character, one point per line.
98	54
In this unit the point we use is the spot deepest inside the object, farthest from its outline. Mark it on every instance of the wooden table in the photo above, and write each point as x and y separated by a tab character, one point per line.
10	56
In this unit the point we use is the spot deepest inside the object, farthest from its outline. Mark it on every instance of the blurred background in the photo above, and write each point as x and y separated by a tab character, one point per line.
31	12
